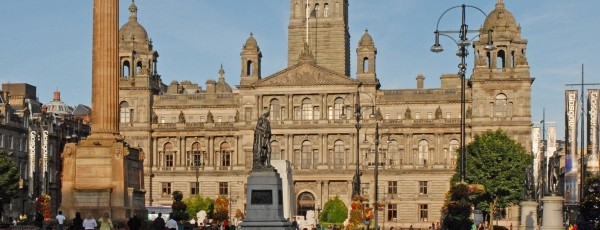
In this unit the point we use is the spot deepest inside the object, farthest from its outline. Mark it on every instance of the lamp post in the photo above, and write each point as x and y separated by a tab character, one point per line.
462	52
376	173
358	117
318	211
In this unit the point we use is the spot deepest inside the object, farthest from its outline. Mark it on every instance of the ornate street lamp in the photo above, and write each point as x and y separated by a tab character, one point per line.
462	52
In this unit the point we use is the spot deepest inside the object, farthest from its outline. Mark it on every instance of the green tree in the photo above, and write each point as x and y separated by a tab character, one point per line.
9	181
589	209
497	162
334	211
456	212
178	208
197	203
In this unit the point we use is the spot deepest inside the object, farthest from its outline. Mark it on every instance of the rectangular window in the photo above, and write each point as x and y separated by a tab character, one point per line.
297	113
392	212
162	120
448	115
166	188
417	115
219	119
316	159
423	211
429	115
364	189
11	143
399	116
173	119
2	140
423	187
169	159
194	188
392	187
223	188
316	113
386	116
248	114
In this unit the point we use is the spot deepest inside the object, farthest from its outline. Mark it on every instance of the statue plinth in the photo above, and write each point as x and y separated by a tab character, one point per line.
529	215
264	201
553	212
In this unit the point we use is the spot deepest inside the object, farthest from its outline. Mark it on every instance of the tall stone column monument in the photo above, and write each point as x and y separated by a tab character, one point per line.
264	204
102	173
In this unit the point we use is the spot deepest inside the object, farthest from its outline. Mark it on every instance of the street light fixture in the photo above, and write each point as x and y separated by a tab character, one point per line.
462	52
357	116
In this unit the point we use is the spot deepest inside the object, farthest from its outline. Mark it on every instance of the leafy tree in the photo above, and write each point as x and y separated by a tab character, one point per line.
334	211
178	208
497	162
456	212
9	181
221	209
589	209
197	203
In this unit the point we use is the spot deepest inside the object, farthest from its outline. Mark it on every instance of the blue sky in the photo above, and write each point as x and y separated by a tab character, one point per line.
48	43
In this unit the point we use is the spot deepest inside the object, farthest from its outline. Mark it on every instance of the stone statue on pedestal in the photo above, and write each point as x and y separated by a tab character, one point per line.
261	148
553	173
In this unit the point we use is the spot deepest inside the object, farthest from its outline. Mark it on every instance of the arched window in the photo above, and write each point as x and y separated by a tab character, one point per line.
169	154
275	151
275	110
339	151
249	67
338	107
500	59
317	10
125	113
512	59
489	59
126	69
306	157
423	152
196	155
307	113
500	107
365	65
225	154
326	10
306	202
138	68
453	151
393	152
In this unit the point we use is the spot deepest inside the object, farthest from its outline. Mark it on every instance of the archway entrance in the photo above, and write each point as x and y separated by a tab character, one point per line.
306	201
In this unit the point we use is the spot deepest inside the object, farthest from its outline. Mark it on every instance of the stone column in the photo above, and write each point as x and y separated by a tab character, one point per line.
105	68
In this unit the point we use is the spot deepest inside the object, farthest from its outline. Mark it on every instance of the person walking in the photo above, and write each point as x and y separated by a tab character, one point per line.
77	222
89	223
105	222
134	223
158	223
171	223
60	220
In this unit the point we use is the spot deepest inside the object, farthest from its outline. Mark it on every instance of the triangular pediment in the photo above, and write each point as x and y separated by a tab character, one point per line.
305	74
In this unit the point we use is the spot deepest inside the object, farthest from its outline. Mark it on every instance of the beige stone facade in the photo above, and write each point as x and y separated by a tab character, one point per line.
181	125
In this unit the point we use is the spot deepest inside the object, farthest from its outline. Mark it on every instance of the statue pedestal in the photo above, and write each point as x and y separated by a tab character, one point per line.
553	213
528	215
264	204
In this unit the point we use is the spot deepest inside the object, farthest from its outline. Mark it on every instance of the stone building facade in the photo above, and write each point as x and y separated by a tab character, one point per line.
199	140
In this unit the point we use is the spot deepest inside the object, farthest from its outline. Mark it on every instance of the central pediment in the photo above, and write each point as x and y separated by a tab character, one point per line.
305	74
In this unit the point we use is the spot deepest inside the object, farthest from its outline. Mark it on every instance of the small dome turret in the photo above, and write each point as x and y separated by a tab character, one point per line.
132	31
222	86
501	22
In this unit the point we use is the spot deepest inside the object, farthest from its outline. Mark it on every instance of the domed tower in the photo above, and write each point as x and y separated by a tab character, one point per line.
222	87
365	54
501	82
136	54
323	25
251	57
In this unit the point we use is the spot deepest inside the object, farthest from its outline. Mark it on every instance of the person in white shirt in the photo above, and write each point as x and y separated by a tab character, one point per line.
61	220
89	222
171	223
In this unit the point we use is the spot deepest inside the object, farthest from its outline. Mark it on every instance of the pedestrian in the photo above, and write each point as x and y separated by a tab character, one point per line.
159	222
39	220
105	222
77	222
134	223
89	223
171	223
60	219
